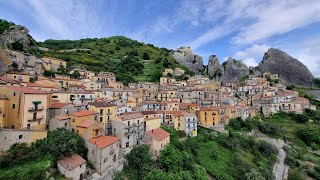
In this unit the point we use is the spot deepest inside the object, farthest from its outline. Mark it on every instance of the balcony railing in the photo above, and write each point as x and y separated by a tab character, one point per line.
39	108
35	118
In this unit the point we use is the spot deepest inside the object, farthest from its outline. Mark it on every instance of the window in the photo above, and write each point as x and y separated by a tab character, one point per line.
105	160
14	93
100	119
28	126
114	130
128	137
72	120
65	125
20	136
127	144
128	123
13	106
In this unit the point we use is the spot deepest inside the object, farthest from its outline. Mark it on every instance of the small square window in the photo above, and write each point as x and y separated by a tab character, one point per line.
20	136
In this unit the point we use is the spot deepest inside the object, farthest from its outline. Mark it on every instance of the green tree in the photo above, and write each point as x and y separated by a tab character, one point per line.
139	159
170	159
75	74
18	46
61	69
254	175
146	56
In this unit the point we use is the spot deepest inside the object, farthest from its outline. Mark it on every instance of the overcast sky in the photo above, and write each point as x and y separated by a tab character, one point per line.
243	29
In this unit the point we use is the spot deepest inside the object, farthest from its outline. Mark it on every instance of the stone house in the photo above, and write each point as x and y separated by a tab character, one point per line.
72	167
129	127
157	139
103	151
61	121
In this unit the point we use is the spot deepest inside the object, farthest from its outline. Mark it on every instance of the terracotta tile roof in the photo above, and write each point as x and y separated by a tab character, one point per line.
130	115
188	114
83	113
148	112
39	85
103	141
86	123
71	162
8	80
77	85
151	118
101	104
216	108
158	134
26	90
58	105
62	117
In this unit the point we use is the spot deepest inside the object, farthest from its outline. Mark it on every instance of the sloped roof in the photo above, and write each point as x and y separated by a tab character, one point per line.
103	141
83	113
71	162
158	134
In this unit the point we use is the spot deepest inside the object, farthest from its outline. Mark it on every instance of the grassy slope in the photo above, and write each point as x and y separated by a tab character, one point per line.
30	170
106	55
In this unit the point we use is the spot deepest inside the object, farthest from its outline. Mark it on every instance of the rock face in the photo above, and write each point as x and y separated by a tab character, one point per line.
5	62
234	70
215	70
290	70
185	57
231	70
15	33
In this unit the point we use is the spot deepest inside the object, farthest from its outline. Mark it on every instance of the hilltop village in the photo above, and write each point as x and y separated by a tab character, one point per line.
113	118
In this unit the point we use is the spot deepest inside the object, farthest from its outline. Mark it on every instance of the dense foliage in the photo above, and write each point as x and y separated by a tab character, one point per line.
210	154
130	60
44	153
4	25
301	131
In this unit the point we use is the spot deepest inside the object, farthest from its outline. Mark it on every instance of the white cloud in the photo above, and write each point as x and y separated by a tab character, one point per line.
62	19
215	33
308	52
252	55
277	17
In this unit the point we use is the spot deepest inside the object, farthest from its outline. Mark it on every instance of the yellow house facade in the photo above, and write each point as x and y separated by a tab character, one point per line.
78	117
26	108
3	110
106	111
209	116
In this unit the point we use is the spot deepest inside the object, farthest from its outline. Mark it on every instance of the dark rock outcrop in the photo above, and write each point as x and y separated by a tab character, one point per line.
290	70
234	70
186	57
15	33
215	70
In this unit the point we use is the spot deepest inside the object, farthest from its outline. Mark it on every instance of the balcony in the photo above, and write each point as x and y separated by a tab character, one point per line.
109	113
35	118
39	108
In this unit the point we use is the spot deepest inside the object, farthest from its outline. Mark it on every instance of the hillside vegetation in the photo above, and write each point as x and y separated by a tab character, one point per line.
210	154
300	131
129	59
4	25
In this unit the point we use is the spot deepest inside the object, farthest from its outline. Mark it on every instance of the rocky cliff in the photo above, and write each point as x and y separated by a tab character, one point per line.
215	70
186	57
234	70
290	70
15	33
231	70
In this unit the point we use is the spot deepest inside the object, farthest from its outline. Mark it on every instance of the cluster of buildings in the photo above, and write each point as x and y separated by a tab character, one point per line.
113	118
